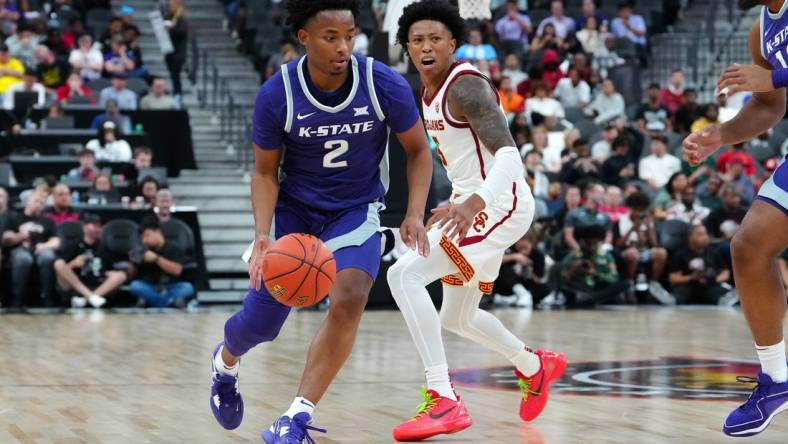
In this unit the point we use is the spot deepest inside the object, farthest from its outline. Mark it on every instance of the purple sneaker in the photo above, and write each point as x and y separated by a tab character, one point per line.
227	404
766	401
291	431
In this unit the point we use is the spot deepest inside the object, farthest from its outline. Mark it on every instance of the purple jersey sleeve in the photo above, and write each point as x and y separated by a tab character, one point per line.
270	112
396	99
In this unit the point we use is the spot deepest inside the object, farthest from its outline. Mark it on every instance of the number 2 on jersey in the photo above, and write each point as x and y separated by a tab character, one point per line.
338	148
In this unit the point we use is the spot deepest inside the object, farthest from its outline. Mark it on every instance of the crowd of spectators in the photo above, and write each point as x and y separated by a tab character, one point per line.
63	53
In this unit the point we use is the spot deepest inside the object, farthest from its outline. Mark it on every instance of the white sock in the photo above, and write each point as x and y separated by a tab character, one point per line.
300	404
438	380
773	362
223	368
527	362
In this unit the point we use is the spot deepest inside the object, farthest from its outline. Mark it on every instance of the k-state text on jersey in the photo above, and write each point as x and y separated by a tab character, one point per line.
334	130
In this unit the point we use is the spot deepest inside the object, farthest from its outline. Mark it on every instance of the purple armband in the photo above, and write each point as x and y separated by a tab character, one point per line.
780	78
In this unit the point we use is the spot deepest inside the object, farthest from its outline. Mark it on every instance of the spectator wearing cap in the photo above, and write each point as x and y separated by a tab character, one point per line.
551	68
73	88
11	69
22	45
607	105
656	168
84	270
652	117
737	151
572	91
61	210
513	26
87	170
86	58
157	98
620	167
119	59
628	25
126	98
736	175
673	96
564	26
29	83
112	114
108	145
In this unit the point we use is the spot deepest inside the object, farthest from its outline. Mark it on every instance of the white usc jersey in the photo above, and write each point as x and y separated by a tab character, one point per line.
466	159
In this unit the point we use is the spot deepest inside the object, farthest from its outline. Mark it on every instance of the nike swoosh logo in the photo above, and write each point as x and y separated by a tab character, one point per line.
441	414
300	117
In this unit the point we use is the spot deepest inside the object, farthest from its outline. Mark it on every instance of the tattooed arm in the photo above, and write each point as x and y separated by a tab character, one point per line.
473	100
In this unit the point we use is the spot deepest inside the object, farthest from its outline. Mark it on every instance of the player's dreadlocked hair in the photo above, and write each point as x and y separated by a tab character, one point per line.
438	10
300	11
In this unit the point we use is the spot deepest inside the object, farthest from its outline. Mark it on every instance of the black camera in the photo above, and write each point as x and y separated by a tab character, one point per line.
137	255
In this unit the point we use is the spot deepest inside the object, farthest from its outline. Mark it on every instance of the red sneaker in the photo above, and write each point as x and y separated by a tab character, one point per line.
434	416
536	389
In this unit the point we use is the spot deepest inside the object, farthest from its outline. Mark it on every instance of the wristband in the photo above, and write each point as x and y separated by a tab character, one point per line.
780	78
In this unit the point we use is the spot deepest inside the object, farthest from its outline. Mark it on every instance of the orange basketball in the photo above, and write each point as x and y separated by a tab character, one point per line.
299	270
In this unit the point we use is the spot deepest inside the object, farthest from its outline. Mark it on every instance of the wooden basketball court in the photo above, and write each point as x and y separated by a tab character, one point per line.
635	376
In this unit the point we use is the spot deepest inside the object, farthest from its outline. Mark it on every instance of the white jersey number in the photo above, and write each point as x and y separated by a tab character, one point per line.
338	148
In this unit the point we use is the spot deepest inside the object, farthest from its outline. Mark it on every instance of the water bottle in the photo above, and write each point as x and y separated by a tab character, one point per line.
138	128
75	197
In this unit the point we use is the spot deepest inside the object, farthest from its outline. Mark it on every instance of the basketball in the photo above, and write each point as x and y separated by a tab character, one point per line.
299	270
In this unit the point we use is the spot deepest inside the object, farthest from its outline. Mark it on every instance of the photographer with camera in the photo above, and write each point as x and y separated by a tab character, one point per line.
157	268
84	265
698	272
637	244
590	272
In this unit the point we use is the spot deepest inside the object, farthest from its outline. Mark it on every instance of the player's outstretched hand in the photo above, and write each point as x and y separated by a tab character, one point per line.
750	78
415	235
701	144
453	220
256	263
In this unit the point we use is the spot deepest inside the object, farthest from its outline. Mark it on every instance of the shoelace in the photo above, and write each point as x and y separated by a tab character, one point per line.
426	406
226	388
525	388
299	431
755	395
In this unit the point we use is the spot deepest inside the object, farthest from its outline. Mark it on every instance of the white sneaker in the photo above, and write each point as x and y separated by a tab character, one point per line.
96	301
78	302
391	244
660	294
524	297
729	299
500	300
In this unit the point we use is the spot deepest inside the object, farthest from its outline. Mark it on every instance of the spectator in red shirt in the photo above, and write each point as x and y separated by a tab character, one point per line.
74	87
738	151
672	97
61	206
552	73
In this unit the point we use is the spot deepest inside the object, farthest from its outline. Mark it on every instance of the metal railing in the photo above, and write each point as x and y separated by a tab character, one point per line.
233	117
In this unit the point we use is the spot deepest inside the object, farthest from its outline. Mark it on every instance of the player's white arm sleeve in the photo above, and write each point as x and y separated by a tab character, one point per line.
507	168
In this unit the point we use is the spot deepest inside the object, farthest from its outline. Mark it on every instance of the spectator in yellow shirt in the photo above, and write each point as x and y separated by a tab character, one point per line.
710	117
11	69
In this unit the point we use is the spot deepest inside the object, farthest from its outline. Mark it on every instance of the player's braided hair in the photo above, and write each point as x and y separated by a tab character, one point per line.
439	10
300	11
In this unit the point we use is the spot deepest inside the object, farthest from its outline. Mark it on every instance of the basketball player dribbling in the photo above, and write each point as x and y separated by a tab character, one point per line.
764	231
328	115
490	209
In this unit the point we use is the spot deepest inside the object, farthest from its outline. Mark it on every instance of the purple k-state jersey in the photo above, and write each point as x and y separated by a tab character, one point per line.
774	36
335	157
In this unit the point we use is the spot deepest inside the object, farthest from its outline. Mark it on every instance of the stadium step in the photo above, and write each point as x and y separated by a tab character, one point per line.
226	220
